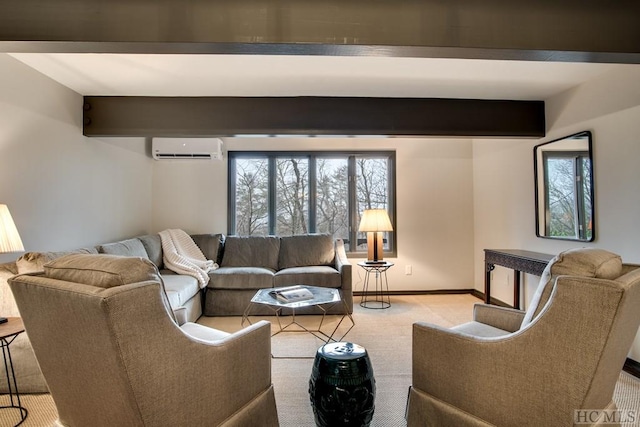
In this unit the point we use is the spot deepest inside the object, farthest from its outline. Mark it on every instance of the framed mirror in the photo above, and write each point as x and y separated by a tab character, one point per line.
564	188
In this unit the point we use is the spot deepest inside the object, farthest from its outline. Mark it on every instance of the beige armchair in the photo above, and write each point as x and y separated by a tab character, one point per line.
113	355
510	368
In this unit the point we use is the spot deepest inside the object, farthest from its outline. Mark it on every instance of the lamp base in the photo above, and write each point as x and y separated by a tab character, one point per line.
374	247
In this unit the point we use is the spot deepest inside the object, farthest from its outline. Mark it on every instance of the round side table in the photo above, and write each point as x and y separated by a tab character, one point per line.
379	297
9	330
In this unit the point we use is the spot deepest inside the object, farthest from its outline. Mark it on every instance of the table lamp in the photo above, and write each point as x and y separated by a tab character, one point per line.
9	237
375	222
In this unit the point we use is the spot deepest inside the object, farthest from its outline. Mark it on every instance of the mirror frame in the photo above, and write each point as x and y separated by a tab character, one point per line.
540	180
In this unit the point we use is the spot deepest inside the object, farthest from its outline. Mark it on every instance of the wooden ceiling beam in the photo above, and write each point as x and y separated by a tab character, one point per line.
345	116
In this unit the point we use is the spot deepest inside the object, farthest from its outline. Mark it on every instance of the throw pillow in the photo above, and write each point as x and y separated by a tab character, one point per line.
582	262
101	270
306	250
33	262
130	247
252	251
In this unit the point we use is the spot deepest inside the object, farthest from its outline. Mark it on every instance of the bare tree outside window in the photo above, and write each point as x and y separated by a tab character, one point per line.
252	190
292	196
371	191
332	202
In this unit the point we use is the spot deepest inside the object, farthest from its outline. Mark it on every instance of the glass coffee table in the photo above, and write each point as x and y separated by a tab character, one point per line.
323	298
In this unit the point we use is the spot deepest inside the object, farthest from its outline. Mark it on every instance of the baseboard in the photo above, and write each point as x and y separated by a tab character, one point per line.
495	301
632	367
431	292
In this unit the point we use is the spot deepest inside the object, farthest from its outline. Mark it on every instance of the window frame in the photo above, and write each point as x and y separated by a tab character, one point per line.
312	157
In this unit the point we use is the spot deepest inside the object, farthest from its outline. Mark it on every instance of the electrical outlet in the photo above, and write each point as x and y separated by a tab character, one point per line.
408	270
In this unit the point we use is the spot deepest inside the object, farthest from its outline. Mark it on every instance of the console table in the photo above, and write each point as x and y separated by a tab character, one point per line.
519	261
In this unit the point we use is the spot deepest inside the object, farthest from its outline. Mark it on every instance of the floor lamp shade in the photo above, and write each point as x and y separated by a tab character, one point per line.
9	238
374	222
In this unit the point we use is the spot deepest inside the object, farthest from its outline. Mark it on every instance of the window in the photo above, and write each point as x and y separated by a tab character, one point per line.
277	193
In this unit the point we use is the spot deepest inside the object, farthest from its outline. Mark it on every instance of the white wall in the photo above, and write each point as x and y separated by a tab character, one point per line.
504	186
63	190
434	202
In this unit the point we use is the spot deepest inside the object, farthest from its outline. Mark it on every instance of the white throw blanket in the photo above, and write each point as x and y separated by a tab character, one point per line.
182	255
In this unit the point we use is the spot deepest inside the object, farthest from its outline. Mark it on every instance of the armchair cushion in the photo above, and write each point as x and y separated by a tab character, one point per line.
478	329
203	333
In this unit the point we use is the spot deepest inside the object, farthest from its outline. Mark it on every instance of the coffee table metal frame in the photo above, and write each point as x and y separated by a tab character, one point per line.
323	298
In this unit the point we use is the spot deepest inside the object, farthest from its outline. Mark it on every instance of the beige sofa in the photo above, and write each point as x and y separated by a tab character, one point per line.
246	264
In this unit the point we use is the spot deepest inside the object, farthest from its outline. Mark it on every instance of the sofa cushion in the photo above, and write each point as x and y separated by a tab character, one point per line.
241	278
33	262
323	276
210	244
153	247
252	251
130	247
104	271
180	288
305	250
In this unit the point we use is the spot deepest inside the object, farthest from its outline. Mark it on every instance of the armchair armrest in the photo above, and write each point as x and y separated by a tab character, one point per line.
343	265
507	319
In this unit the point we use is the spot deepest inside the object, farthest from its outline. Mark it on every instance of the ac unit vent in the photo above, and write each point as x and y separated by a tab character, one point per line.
187	148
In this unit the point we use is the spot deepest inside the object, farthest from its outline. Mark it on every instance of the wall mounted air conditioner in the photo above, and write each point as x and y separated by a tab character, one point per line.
186	148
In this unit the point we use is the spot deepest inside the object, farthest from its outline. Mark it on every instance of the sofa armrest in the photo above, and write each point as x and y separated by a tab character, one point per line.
507	319
343	265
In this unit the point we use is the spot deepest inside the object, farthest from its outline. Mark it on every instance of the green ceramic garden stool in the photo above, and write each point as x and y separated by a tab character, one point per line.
342	387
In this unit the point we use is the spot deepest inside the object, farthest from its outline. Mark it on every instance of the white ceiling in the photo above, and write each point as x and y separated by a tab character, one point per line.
261	75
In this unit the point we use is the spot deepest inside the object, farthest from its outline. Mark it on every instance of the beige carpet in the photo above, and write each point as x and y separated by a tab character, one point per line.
386	334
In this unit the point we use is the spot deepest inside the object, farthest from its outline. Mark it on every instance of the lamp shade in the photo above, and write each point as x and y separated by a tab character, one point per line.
9	237
375	220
